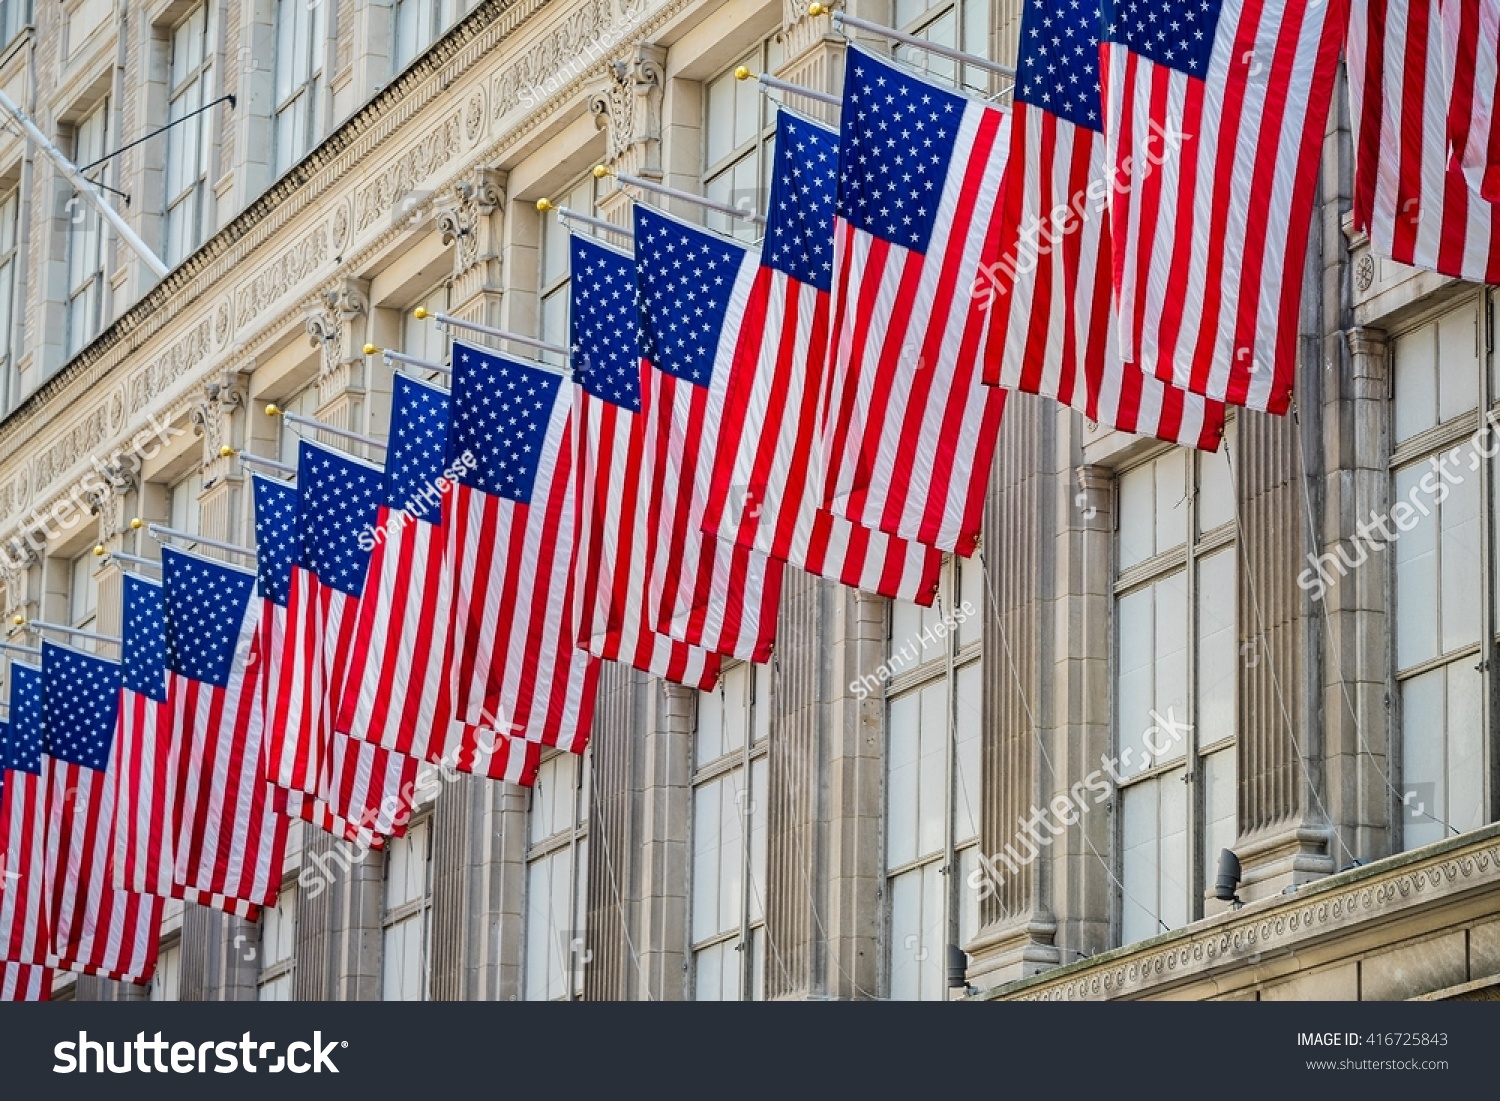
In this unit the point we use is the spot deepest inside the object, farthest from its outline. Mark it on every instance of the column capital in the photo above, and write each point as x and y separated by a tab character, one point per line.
629	110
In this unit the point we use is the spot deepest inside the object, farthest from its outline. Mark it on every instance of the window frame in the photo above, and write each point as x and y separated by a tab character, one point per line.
764	57
199	78
957	658
419	908
573	839
755	750
306	79
1185	559
86	288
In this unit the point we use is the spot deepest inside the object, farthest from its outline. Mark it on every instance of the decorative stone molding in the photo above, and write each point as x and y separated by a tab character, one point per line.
580	42
1238	940
408	173
212	418
472	222
330	324
629	111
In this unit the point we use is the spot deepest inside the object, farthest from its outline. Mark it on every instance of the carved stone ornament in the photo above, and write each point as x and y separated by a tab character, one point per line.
211	417
629	111
467	223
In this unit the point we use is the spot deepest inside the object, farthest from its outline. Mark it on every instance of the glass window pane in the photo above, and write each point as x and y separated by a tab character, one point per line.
720	118
1459	561
1458	362
1424	772
1170	476
1416	574
1215	487
902	780
1135	688
1170	644
1415	404
931	827
755	809
1465	738
1220	824
1218	660
1136	523
707	855
966	811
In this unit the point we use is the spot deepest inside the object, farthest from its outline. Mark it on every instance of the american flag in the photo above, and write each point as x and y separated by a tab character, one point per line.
1213	122
692	287
519	681
765	488
1471	46
911	426
355	786
397	673
1410	193
95	928
23	982
150	761
232	838
1050	288
24	936
610	560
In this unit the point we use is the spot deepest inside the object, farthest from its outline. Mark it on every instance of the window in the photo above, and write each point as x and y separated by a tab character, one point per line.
729	836
426	339
553	290
418	24
1441	606
10	213
556	870
408	914
962	24
183	502
301	38
83	591
188	143
278	947
14	14
86	238
739	129
305	403
1175	673
166	984
933	781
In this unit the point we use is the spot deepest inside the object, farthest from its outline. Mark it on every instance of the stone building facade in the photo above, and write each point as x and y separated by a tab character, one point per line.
793	834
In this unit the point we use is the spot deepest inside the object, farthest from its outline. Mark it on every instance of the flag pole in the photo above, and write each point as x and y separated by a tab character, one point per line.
410	361
228	452
161	533
121	556
274	410
17	648
843	19
37	626
448	320
625	179
567	214
767	81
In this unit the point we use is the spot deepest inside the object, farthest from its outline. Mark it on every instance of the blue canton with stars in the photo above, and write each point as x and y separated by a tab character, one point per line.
684	280
1175	33
418	445
501	407
804	187
606	346
23	745
80	705
277	545
1059	66
145	646
338	498
895	148
205	603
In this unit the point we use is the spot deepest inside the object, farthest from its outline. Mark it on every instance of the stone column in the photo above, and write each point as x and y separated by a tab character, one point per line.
1356	437
663	843
1018	934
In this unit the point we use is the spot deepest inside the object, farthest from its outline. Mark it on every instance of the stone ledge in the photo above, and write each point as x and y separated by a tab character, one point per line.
1343	905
